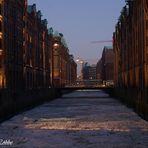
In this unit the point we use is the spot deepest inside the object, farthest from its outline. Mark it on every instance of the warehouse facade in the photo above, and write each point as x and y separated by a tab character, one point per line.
131	55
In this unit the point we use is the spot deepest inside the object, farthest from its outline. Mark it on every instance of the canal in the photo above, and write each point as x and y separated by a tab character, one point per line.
82	118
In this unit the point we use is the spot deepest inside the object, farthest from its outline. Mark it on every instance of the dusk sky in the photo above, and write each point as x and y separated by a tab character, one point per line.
82	21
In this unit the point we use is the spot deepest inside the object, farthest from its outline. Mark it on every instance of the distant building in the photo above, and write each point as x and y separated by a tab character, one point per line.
85	71
64	68
107	63
99	70
105	66
89	72
72	70
92	72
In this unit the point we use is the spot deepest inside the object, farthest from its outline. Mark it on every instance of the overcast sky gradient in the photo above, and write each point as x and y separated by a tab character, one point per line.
82	21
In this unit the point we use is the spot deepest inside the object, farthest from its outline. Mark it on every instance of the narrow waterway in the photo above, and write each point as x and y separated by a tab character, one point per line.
81	119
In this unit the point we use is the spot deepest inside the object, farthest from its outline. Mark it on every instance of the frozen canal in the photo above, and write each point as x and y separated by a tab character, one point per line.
82	119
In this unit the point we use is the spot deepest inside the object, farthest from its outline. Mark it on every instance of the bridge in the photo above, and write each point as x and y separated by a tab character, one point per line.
94	83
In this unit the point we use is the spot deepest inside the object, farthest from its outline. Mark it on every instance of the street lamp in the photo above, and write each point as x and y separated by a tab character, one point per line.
56	64
55	45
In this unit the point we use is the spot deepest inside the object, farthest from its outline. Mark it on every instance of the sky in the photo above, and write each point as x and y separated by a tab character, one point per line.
81	22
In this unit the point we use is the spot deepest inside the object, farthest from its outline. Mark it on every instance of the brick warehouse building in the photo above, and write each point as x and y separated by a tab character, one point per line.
63	65
73	71
26	49
131	55
105	66
36	50
11	44
99	70
26	46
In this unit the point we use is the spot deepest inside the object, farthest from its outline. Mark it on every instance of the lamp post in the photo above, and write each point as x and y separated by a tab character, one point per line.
54	72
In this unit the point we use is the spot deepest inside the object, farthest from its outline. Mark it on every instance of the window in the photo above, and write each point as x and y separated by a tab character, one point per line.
1	44
146	24
147	41
0	26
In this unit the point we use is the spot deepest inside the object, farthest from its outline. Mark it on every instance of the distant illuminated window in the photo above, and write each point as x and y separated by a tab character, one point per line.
146	24
147	41
30	39
1	81
0	26
0	43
